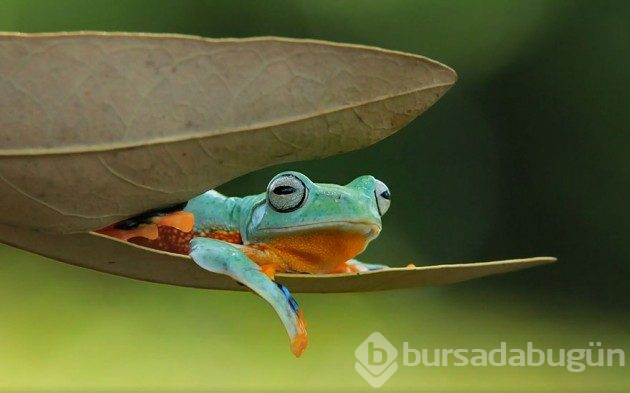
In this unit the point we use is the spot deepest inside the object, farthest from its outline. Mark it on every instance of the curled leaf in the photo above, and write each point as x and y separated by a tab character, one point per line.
97	127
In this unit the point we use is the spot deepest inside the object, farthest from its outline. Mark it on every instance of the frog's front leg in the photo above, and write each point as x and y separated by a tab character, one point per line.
354	266
224	258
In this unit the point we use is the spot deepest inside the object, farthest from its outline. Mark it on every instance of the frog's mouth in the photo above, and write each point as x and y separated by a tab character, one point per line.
369	230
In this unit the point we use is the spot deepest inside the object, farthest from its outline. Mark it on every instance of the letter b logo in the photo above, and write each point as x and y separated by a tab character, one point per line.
376	356
376	359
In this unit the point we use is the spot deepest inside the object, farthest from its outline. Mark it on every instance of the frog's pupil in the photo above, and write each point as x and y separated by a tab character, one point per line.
283	190
385	194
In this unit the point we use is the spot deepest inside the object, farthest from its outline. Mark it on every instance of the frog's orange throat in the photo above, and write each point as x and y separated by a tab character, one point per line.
315	251
323	250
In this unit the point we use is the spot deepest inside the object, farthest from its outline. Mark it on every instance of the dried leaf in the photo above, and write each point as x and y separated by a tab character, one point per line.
97	127
129	260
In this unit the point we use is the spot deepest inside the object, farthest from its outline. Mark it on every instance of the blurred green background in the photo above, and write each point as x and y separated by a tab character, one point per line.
527	155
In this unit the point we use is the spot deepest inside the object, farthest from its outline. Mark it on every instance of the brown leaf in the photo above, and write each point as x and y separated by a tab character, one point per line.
97	127
104	254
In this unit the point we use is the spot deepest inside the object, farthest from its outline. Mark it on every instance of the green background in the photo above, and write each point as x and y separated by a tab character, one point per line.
527	155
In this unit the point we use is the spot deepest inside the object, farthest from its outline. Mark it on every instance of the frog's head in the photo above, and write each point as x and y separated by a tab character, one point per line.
326	214
295	204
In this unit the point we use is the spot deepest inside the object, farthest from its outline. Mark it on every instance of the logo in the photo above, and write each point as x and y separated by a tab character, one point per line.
376	360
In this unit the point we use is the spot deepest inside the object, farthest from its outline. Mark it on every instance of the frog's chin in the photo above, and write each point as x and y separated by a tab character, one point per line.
367	229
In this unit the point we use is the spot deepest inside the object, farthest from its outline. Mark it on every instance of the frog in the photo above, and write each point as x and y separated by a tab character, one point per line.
295	226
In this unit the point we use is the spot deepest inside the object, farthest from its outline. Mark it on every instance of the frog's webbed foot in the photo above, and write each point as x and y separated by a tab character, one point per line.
354	266
220	257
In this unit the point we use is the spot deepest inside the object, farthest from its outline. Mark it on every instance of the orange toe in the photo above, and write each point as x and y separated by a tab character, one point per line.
300	342
345	268
269	270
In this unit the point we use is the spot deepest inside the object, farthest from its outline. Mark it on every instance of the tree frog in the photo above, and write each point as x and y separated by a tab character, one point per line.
296	226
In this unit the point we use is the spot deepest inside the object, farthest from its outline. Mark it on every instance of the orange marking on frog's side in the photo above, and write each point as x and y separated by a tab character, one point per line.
171	232
173	240
184	221
147	231
313	252
181	220
169	239
233	237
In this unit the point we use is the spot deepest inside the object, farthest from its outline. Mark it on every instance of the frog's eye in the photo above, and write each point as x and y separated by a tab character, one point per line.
286	193
382	197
